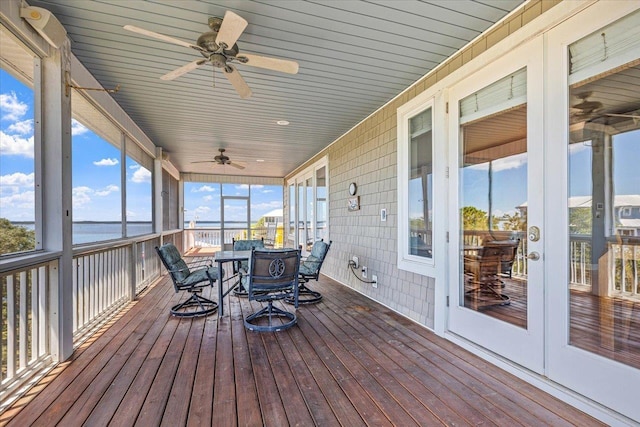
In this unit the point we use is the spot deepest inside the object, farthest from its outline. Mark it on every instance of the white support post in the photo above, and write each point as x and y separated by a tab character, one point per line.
56	197
158	193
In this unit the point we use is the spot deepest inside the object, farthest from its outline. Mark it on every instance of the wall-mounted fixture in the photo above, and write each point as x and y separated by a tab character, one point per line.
46	24
353	189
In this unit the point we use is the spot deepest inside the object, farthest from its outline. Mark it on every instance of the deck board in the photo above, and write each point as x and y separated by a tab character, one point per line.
349	361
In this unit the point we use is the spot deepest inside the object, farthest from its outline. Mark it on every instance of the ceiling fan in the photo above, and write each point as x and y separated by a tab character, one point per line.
585	108
219	48
222	159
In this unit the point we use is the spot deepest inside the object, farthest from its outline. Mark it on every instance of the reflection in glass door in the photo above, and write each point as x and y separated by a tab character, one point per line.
321	204
499	277
493	199
604	216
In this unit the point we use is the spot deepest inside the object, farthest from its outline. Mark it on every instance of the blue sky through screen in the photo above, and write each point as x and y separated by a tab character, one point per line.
95	166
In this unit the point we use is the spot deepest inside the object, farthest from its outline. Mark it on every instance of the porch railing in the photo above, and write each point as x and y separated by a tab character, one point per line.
211	237
25	323
623	260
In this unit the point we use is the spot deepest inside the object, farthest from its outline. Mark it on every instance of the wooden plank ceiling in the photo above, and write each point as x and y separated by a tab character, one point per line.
354	56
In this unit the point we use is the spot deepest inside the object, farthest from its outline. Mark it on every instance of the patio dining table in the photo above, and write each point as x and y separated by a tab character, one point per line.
222	257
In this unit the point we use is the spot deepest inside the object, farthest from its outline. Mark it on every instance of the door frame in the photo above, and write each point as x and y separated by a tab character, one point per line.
522	346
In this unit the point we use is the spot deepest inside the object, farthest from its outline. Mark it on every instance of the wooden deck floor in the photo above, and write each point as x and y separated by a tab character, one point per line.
349	362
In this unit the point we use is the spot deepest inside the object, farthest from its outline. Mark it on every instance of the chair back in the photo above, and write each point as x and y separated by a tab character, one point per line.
273	271
310	267
173	262
507	254
246	245
272	230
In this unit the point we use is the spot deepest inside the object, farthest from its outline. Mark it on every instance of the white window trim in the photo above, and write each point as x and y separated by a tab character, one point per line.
406	261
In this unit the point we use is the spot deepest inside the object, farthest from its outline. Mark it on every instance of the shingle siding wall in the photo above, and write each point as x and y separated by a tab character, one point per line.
367	156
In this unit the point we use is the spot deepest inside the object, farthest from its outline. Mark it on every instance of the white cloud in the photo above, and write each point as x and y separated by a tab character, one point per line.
81	196
207	188
25	127
19	200
77	128
207	198
16	145
106	162
141	175
498	165
107	190
17	180
266	206
511	162
18	206
267	191
202	210
131	214
12	108
243	186
132	167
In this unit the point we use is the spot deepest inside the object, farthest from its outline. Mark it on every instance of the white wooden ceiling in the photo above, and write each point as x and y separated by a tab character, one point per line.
354	56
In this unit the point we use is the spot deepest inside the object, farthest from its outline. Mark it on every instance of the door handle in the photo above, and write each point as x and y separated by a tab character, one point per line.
533	256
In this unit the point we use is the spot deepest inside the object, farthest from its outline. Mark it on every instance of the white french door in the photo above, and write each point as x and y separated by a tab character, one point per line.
496	183
592	117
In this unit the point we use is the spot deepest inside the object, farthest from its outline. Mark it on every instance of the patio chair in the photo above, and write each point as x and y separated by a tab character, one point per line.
240	268
191	280
272	230
273	275
310	269
482	274
508	255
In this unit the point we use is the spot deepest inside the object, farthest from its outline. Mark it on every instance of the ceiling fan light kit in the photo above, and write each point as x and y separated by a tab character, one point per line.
219	48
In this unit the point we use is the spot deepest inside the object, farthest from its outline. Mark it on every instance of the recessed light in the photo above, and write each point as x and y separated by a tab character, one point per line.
282	122
259	160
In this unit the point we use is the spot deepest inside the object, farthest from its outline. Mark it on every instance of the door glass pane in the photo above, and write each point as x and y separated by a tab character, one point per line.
421	185
321	204
493	209
302	232
292	216
604	215
235	224
309	215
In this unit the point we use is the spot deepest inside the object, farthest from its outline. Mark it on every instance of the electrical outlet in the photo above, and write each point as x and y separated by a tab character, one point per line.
364	272
355	261
374	279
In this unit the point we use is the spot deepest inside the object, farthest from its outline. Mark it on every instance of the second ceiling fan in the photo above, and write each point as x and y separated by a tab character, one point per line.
219	48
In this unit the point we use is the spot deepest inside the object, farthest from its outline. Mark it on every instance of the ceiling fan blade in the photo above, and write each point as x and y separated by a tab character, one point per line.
205	161
232	26
160	37
275	64
183	70
238	82
235	165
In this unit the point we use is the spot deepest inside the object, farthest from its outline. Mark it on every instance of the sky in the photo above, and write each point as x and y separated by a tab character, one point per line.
202	201
96	171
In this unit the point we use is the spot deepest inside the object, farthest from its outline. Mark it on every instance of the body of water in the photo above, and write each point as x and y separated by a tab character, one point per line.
89	232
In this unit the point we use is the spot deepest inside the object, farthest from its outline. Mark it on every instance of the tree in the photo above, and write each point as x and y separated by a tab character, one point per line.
514	222
14	238
474	218
580	220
